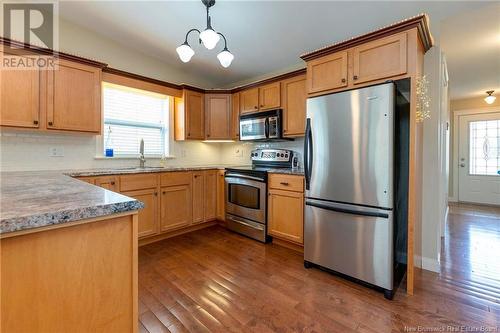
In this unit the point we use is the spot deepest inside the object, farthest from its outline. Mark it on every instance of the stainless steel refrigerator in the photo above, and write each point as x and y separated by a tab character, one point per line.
349	171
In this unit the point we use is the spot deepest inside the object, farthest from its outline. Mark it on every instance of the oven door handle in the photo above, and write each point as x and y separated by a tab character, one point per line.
238	175
246	223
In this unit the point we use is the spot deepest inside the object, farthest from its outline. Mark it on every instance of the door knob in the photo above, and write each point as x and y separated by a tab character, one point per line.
462	165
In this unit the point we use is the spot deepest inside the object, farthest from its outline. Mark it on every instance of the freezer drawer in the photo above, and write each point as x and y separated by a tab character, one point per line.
350	239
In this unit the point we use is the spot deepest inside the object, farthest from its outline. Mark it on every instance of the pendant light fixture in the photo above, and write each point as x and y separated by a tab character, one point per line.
209	37
490	98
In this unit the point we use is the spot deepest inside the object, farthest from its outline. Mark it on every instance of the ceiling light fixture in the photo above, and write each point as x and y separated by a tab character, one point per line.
490	99
209	37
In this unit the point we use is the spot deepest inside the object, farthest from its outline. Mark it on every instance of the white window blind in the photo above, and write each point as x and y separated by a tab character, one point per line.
131	115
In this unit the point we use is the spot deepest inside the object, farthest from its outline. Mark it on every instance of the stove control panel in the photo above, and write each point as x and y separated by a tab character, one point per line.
271	155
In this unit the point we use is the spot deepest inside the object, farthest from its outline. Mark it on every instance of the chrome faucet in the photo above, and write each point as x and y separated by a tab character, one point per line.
142	159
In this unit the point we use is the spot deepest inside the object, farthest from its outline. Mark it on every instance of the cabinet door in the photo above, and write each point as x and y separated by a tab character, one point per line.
286	215
221	196
175	206
210	195
270	96
74	98
198	197
108	182
195	114
218	116
235	116
380	59
19	97
327	73
294	96
249	100
148	215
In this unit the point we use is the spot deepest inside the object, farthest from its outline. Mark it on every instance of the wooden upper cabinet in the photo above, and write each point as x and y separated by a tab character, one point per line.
249	100
270	96
218	116
293	101
198	197
74	97
20	97
235	116
327	73
210	206
380	59
190	116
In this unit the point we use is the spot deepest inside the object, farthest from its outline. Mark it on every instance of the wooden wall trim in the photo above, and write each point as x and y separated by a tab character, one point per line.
16	45
421	22
270	80
111	70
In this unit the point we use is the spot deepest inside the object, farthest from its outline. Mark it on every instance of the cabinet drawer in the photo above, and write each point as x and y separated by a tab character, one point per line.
176	178
286	182
137	182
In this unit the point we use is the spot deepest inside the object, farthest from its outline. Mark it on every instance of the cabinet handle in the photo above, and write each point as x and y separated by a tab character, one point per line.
189	134
284	183
163	192
195	176
208	135
112	183
284	130
261	105
156	194
343	80
256	107
355	77
35	122
50	123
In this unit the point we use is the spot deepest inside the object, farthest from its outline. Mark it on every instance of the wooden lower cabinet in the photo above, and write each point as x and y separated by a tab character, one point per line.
286	208
175	207
221	196
107	182
71	277
198	197
148	225
210	198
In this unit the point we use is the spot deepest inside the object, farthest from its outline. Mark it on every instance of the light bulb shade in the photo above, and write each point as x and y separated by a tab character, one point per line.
225	58
490	99
185	52
209	38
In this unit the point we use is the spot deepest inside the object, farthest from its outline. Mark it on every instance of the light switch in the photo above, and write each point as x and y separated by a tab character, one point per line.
56	151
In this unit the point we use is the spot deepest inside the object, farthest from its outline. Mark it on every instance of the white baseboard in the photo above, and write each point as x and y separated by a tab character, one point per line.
427	263
452	199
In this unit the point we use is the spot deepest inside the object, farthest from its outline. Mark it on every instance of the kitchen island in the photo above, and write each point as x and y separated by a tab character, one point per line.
68	254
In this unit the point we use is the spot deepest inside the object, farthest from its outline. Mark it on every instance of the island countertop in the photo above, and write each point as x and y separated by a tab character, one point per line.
38	199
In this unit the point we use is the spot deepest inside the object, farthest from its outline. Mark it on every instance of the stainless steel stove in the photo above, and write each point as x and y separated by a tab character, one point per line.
246	192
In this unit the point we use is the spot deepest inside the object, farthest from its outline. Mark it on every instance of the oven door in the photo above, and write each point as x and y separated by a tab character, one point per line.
246	197
253	129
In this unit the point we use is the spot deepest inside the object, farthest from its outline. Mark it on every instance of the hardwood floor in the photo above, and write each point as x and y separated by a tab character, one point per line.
213	280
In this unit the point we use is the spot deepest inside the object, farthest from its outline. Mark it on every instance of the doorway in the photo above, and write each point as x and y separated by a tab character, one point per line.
479	158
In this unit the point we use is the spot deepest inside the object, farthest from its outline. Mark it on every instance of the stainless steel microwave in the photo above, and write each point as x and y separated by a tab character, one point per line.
264	125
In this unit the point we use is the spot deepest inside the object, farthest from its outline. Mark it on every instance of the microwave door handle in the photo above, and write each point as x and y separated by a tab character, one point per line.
266	128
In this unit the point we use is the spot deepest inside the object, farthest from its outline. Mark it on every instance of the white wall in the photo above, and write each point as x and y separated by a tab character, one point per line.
435	177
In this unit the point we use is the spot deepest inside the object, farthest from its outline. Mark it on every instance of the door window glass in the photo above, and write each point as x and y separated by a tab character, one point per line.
484	147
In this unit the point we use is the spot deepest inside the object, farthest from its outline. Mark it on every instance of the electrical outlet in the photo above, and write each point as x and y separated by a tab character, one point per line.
238	152
56	151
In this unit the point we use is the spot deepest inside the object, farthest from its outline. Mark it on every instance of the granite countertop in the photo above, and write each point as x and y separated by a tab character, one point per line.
36	199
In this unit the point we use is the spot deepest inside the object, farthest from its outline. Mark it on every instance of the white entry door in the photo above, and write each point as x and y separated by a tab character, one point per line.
479	158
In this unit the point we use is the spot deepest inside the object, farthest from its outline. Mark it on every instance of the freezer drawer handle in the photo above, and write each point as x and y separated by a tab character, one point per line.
345	210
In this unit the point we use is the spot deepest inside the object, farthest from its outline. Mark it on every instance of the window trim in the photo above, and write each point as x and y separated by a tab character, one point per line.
169	142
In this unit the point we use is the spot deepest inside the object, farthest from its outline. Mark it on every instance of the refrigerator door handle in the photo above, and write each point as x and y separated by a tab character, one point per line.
308	153
342	208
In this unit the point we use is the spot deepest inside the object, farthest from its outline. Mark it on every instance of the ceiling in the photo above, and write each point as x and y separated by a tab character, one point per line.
265	36
471	43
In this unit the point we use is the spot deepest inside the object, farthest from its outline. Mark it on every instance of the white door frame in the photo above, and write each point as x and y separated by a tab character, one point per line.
456	141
